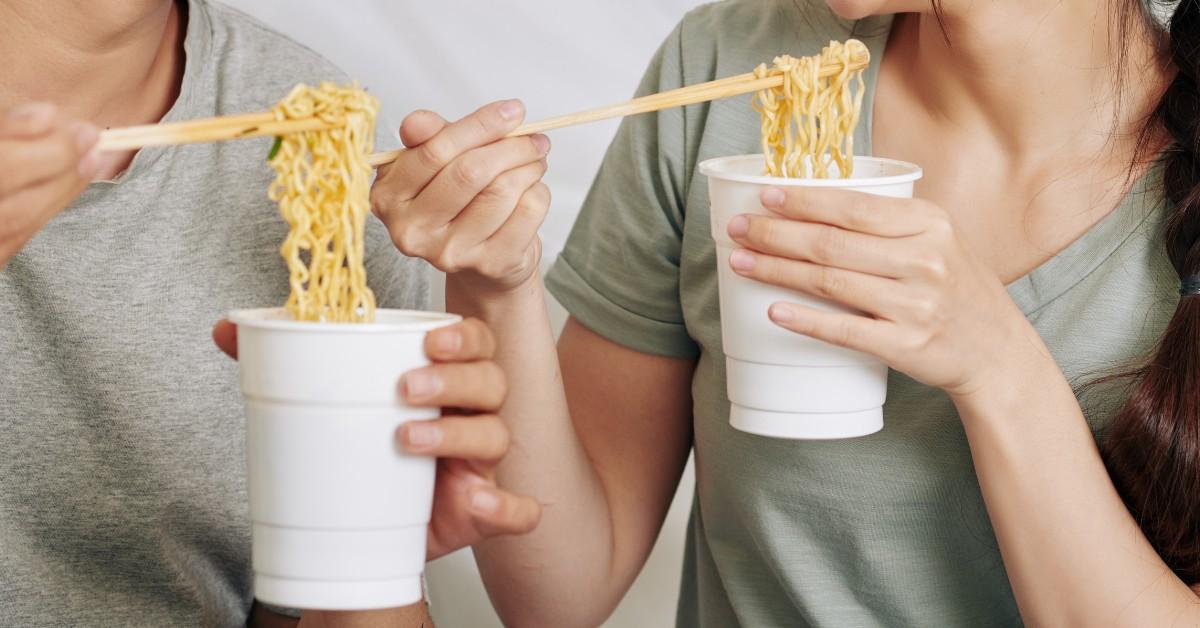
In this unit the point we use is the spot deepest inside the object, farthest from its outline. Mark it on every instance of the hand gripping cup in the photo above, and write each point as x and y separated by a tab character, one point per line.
780	383
339	512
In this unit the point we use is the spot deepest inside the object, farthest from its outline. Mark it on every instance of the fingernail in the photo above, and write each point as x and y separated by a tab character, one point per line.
422	436
782	314
85	136
31	112
484	502
773	197
541	143
512	109
448	342
89	166
739	226
420	385
742	260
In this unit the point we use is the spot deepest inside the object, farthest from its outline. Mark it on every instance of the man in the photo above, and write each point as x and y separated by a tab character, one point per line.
123	498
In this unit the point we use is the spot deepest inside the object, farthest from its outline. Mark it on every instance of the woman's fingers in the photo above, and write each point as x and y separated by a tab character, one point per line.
520	230
845	330
417	167
493	206
854	211
868	293
498	512
473	173
474	386
481	438
822	244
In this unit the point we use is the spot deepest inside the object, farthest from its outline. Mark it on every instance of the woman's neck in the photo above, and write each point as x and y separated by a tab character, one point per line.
113	62
1038	77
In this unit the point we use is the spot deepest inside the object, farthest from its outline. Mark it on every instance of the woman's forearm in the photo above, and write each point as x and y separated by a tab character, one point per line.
550	576
1073	553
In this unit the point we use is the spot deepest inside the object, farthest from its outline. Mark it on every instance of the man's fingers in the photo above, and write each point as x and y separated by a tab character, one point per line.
224	333
28	121
67	152
467	341
30	208
473	386
481	438
498	512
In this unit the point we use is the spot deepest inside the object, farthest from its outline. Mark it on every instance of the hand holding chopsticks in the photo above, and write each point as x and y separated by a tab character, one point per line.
265	124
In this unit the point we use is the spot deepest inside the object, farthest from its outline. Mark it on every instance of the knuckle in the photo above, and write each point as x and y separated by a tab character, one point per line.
478	336
829	283
434	154
859	211
406	237
470	173
765	231
447	260
843	333
829	244
500	437
925	311
498	384
504	188
384	200
932	266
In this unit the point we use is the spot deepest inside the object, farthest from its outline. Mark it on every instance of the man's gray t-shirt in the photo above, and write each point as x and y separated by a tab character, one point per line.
122	479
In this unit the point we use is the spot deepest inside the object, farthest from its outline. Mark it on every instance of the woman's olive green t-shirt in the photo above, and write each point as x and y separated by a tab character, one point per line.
886	530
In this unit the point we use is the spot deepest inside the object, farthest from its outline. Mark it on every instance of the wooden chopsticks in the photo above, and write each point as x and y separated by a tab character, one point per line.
264	123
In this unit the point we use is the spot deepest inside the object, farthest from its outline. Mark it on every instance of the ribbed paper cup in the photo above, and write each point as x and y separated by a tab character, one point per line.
339	512
780	383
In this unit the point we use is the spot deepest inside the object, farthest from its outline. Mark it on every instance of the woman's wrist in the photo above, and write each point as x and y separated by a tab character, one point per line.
1025	373
469	296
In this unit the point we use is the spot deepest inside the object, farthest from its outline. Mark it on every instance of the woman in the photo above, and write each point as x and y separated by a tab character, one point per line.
123	492
1059	143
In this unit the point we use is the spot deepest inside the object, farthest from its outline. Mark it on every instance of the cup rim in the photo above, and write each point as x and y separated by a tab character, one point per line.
386	321
712	168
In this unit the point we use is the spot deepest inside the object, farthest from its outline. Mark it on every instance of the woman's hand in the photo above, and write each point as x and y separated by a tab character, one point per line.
467	199
469	439
932	310
46	160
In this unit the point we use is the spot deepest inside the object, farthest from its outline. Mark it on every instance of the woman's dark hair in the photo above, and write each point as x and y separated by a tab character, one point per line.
1152	447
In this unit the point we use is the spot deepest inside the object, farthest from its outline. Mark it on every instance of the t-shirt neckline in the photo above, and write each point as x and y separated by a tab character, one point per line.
1077	260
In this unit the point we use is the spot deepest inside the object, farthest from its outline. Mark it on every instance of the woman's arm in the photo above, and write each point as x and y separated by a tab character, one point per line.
601	442
1073	553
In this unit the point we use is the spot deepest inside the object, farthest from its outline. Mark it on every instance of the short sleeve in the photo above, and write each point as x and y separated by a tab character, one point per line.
619	271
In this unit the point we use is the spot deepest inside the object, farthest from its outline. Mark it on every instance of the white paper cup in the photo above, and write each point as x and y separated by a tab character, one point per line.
339	512
780	383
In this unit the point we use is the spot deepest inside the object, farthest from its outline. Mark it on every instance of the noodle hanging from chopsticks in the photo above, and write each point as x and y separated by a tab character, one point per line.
808	123
322	186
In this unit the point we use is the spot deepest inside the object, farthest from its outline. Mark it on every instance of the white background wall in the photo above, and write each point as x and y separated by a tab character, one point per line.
558	56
